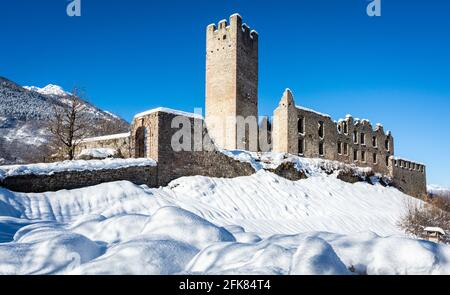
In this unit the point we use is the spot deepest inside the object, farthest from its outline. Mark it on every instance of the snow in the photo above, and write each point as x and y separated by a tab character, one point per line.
182	225
112	115
406	160
107	137
79	165
271	160
313	111
436	187
50	89
27	135
258	224
438	190
435	230
315	256
170	111
97	153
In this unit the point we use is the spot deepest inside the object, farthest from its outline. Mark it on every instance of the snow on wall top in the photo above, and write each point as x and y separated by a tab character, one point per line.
313	111
170	111
79	165
98	153
107	137
406	160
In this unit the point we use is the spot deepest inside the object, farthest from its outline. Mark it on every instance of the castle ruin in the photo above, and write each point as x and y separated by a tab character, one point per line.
231	95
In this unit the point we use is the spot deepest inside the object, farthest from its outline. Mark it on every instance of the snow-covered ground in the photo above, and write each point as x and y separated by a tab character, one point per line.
259	224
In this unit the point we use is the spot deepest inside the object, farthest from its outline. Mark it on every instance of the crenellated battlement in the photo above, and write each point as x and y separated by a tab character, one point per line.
401	163
234	25
408	176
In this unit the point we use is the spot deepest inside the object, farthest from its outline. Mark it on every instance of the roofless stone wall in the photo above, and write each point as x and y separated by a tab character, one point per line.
409	177
32	183
118	142
192	158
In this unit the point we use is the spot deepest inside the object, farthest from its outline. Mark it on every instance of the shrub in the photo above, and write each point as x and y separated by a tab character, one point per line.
434	213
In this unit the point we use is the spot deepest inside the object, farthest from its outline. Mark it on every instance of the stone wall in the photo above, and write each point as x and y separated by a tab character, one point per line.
119	142
284	140
367	147
78	179
193	159
409	177
301	131
144	141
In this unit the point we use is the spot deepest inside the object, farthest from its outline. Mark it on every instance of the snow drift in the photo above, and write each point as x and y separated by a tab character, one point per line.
259	224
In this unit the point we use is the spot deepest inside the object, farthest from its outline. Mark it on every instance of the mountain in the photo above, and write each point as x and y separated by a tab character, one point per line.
24	112
438	191
52	90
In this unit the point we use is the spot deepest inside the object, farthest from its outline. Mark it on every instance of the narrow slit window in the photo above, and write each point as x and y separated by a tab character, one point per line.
387	144
321	129
301	146
355	137
374	157
346	149
321	150
387	161
339	146
374	141
345	125
363	156
301	125
355	155
363	138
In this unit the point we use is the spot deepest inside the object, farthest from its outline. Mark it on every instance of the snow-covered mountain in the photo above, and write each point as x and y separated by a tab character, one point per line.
258	224
50	89
23	114
438	191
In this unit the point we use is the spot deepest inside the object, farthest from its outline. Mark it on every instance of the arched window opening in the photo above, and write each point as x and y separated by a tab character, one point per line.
141	139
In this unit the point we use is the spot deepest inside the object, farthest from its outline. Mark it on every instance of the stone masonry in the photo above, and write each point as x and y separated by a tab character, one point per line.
231	80
119	142
77	179
232	92
192	158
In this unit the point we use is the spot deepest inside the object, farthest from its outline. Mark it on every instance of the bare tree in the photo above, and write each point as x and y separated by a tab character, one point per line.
107	126
433	213
69	124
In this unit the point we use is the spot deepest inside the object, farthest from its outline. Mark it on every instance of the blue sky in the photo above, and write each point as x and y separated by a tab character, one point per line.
133	55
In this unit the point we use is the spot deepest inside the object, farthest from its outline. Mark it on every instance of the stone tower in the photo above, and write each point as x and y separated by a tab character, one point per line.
284	136
231	80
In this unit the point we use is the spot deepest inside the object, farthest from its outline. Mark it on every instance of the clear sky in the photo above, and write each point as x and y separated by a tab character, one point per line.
133	55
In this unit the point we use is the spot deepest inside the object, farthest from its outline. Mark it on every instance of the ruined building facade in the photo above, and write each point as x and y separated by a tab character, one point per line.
232	94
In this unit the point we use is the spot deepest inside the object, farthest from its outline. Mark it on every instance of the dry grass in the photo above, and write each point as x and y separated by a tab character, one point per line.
434	213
